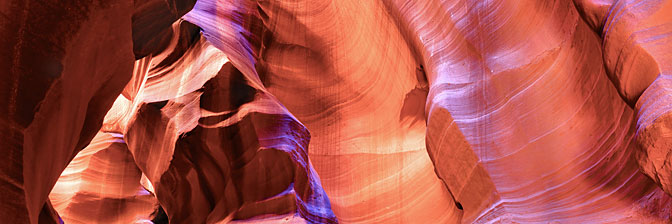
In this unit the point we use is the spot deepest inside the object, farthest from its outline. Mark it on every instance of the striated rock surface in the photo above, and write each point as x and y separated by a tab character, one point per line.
211	147
637	56
221	155
62	64
368	147
102	185
522	123
637	46
525	85
312	111
152	21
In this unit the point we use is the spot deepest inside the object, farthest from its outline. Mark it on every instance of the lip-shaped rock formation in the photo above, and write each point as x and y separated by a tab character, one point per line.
313	111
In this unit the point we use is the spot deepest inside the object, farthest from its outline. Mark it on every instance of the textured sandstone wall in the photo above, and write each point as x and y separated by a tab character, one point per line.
313	111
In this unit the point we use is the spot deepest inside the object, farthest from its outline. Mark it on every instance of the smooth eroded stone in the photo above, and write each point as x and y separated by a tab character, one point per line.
63	65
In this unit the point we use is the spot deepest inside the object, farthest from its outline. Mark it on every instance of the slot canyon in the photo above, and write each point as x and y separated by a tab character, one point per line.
348	111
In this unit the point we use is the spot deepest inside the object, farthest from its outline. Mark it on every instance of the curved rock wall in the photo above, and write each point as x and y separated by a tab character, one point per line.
389	111
62	65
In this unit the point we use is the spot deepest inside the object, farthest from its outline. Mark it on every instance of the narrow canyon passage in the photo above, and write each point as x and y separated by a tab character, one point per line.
315	111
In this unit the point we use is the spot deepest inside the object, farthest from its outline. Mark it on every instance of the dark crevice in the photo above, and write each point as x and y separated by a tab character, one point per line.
160	216
459	205
159	105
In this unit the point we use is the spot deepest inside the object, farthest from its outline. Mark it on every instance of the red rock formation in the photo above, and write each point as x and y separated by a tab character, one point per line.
63	63
225	154
368	148
102	184
212	147
637	56
519	108
391	111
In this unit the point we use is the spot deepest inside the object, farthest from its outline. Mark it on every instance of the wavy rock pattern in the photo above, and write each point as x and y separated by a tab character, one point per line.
521	82
220	155
213	148
353	128
152	21
102	185
487	80
62	64
637	55
389	111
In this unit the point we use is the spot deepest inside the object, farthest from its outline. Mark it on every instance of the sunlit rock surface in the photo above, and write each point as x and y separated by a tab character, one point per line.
102	184
312	111
638	56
